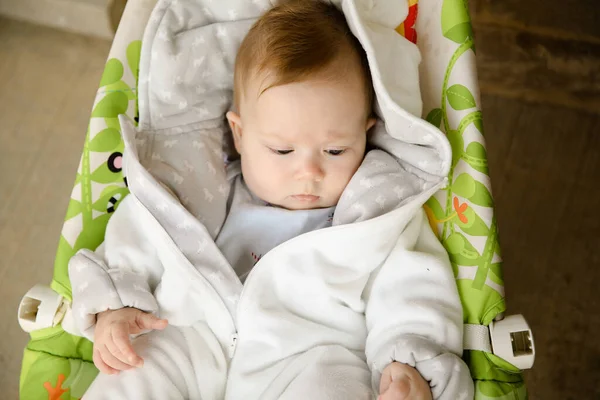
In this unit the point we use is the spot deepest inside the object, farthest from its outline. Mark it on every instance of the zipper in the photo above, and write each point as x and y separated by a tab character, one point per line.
233	344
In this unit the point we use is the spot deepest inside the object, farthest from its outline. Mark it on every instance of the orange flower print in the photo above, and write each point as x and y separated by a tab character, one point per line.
460	209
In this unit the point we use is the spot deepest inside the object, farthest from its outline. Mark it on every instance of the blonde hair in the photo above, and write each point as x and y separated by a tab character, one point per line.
297	40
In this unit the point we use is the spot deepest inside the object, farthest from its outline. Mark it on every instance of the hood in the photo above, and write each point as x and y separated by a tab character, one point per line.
186	80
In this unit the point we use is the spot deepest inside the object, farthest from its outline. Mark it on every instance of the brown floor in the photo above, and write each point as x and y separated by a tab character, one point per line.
544	156
539	68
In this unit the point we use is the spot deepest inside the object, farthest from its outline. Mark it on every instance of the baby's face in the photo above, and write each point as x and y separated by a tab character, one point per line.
301	143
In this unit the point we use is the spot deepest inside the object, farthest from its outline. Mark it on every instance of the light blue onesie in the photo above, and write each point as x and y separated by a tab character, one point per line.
253	227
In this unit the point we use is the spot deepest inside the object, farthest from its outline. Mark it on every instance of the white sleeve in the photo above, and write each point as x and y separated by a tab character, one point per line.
123	271
414	314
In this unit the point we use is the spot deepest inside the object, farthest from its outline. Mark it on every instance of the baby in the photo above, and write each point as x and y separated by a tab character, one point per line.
303	102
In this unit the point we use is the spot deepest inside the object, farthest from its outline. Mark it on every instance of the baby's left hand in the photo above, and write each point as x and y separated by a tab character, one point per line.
403	382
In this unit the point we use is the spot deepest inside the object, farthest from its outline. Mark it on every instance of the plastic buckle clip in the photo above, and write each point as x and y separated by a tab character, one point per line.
43	308
512	340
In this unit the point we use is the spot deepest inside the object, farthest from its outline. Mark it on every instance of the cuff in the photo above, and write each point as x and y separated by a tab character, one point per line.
448	375
97	288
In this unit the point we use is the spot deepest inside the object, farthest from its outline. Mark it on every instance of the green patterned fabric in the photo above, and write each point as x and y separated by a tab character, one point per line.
57	365
463	214
99	181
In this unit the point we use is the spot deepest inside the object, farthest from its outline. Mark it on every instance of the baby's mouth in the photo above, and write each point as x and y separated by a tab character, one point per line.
307	198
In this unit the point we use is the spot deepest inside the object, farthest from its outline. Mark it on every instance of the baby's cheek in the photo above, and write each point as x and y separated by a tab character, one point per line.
340	178
270	175
350	167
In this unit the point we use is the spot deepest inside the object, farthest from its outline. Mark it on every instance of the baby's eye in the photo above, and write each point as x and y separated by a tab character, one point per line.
281	152
335	152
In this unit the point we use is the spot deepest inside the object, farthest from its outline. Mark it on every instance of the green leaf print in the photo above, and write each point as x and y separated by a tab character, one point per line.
113	71
111	106
474	225
435	117
105	140
476	157
466	186
482	196
113	123
435	214
454	243
434	205
458	144
456	24
460	250
460	97
122	87
104	175
133	57
73	209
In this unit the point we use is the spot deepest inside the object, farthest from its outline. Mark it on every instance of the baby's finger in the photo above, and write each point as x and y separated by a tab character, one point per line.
113	361
122	346
122	341
101	365
384	383
160	324
150	321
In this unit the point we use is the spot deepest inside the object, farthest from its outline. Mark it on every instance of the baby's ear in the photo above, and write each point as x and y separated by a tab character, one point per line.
235	123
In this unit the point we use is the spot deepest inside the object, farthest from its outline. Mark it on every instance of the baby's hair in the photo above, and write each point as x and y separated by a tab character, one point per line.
298	40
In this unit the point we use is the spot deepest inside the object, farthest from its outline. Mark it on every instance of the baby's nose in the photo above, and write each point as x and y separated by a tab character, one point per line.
310	169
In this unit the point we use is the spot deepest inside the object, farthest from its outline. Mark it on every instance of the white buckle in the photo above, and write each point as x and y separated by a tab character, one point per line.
510	339
43	308
40	308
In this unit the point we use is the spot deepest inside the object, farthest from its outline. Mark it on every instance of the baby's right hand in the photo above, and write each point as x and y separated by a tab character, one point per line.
402	382
112	347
